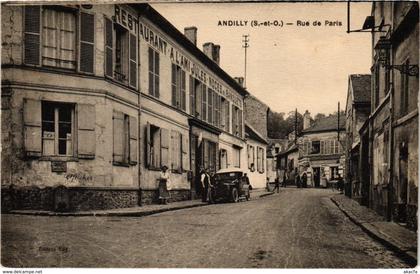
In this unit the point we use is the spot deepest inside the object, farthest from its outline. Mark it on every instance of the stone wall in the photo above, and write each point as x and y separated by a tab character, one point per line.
256	114
151	196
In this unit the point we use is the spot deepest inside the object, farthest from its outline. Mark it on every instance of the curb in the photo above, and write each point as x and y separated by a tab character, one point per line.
404	254
113	214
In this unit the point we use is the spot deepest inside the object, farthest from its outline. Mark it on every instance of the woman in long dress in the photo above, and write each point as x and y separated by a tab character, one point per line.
163	185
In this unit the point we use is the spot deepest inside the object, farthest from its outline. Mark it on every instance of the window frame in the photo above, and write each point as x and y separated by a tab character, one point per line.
56	106
154	73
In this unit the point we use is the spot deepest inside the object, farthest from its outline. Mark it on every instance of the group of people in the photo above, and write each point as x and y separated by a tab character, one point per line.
165	184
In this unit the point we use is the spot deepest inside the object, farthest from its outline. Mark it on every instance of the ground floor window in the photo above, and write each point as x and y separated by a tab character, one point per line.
57	128
334	172
223	159
236	157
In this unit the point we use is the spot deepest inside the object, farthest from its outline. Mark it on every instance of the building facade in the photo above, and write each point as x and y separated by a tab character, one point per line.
357	112
256	160
96	99
67	119
393	124
321	150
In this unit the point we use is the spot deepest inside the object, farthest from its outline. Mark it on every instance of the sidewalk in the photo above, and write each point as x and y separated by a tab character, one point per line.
134	211
392	235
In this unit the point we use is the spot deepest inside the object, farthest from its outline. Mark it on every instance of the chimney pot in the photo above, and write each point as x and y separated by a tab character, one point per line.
191	34
306	119
240	81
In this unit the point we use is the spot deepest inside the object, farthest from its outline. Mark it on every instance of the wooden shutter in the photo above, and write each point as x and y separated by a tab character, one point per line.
118	133
164	147
87	42
263	159
184	148
109	66
174	87
133	126
32	127
86	144
183	93
240	127
148	146
156	71
192	97
32	36
133	61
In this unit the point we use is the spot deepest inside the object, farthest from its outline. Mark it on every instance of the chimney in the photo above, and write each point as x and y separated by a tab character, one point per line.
191	34
216	54
306	120
240	81
208	49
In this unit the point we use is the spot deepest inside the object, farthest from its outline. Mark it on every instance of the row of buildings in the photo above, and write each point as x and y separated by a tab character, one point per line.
382	116
96	99
316	151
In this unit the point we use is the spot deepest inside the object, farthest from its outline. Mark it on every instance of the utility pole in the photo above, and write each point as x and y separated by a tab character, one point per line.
295	126
245	46
338	123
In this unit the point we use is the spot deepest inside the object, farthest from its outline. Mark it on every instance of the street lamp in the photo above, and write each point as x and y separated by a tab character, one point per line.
382	49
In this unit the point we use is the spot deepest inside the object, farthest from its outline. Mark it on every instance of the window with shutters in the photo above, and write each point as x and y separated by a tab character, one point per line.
57	129
124	139
157	147
251	157
192	96
178	87
61	46
58	38
153	72
223	159
121	54
237	121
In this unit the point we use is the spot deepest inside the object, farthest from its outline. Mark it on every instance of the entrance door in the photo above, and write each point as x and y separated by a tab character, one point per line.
317	176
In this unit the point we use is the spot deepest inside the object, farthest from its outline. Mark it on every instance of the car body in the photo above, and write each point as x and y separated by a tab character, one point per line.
229	184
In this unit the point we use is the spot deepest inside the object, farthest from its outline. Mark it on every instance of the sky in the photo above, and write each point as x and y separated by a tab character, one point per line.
303	67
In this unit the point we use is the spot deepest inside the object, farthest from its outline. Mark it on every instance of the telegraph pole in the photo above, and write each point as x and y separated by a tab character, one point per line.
338	123
245	46
295	126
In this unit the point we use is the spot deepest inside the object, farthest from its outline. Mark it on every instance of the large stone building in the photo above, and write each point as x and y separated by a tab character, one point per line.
357	112
392	129
321	152
96	99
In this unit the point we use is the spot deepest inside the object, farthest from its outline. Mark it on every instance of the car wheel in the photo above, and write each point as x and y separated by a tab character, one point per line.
234	195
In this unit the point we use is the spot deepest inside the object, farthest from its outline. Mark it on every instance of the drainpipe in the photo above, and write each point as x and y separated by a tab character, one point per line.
139	143
391	129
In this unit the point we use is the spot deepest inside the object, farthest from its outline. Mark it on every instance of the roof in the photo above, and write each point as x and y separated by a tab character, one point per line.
327	124
166	27
251	133
229	169
360	84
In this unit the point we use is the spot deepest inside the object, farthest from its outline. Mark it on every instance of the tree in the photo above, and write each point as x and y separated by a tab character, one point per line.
319	116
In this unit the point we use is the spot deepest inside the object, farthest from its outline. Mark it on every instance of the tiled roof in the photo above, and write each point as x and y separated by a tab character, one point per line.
327	124
361	87
253	134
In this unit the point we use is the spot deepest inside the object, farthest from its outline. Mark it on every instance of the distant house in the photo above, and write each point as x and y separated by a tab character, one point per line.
287	163
275	147
357	112
321	153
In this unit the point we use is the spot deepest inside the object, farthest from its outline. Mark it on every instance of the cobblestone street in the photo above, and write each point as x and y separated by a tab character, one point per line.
298	228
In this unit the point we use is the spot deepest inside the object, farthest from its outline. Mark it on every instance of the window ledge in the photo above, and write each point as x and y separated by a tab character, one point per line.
121	164
59	158
154	168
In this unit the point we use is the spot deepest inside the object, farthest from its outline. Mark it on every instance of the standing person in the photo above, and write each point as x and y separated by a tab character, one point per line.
304	180
284	179
340	183
205	182
277	185
163	185
297	180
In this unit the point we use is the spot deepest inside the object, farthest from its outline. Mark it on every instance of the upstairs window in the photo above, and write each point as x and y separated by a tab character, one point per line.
120	54
178	87
59	38
315	147
60	46
153	73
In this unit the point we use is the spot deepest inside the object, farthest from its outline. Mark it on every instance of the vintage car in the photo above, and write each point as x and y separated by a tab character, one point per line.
229	184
